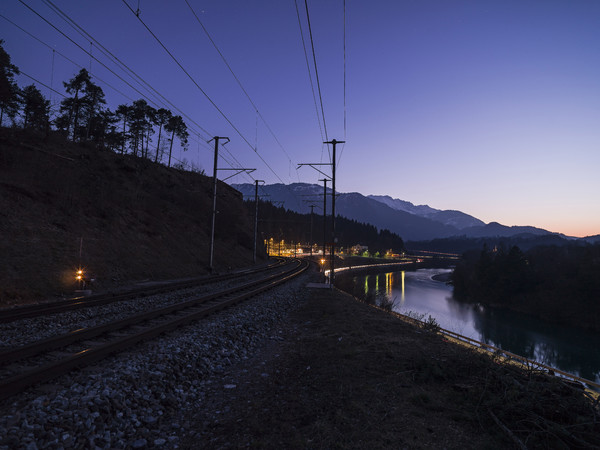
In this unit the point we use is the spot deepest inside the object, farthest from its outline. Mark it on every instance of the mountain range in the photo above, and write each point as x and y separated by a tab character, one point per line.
411	222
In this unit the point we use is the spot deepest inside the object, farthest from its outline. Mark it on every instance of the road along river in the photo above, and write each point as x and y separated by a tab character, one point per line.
417	293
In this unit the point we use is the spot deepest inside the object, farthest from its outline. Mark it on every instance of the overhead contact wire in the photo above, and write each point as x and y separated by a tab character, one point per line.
130	72
312	44
236	79
201	90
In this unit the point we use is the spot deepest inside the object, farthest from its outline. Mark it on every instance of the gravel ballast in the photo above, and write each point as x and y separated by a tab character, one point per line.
142	398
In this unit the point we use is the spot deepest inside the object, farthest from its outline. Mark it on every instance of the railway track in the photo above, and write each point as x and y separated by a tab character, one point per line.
40	361
45	309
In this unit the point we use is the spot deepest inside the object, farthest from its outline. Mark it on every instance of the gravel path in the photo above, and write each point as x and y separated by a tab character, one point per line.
141	398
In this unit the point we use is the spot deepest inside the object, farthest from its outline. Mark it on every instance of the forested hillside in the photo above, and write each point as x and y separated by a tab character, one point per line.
87	186
279	223
559	284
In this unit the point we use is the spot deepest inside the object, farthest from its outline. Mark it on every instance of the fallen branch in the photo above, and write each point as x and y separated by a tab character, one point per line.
510	434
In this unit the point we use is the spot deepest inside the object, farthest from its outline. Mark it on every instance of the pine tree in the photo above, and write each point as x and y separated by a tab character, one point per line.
177	127
9	91
92	107
71	106
36	109
162	117
123	113
137	126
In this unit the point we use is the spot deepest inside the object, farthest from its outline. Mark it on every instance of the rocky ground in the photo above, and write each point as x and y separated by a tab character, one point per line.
301	368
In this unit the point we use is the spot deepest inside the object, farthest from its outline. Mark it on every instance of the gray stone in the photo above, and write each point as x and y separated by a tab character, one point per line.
140	443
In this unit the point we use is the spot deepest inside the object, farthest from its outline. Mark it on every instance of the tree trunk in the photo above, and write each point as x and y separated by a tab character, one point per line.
171	147
158	144
89	124
147	142
123	144
76	108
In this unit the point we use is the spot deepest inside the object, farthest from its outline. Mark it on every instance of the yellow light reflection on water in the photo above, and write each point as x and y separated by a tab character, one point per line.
366	285
402	295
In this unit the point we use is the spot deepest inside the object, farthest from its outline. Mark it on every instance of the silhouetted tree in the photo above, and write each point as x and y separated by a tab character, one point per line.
138	124
177	127
123	113
556	283
70	107
36	109
103	129
161	118
150	122
113	137
9	91
92	108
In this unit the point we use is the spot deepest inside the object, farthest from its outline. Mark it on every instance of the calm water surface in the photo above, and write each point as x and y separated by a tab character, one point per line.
566	348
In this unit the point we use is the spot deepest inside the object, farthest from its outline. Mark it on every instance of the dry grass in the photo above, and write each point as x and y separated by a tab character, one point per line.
351	376
138	220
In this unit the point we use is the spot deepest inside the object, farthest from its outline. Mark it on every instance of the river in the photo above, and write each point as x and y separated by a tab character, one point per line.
569	349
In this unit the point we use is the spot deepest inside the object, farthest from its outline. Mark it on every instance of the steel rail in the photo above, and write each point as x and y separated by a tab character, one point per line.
209	304
14	354
43	309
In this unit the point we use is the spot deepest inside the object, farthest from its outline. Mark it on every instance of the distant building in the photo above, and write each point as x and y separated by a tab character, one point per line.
359	249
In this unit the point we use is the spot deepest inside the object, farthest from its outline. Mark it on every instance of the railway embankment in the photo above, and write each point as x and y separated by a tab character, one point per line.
301	368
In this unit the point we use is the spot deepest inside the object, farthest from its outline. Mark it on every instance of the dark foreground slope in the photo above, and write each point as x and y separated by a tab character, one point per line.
346	375
137	219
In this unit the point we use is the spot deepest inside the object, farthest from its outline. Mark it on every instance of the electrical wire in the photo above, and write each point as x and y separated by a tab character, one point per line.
312	44
237	79
81	48
344	69
43	84
64	56
124	67
113	58
188	75
101	49
344	144
312	86
84	50
202	91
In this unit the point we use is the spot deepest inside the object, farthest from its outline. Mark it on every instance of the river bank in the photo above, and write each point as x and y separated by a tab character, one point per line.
344	374
419	293
299	368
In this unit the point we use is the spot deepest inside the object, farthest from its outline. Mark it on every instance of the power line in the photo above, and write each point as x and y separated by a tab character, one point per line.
89	38
344	70
312	43
312	86
96	59
83	33
43	84
344	145
81	48
63	55
237	79
124	67
188	74
89	53
201	90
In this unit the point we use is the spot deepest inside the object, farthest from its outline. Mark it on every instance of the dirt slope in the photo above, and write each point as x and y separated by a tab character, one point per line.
347	375
137	219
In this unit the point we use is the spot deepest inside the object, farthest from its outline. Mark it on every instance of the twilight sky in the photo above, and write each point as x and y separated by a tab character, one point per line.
489	107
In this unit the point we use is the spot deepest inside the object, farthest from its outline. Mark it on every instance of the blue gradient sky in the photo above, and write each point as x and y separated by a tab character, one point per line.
488	107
